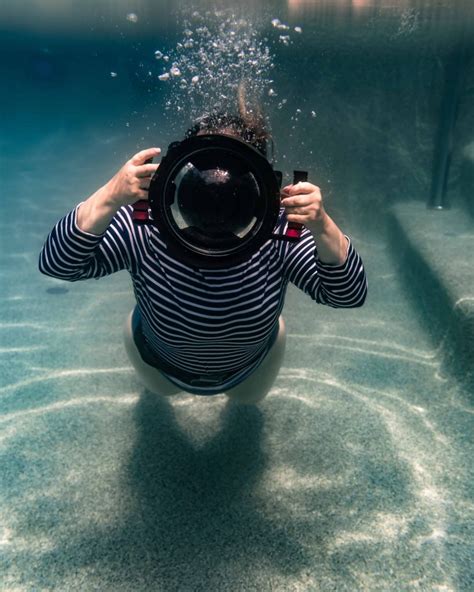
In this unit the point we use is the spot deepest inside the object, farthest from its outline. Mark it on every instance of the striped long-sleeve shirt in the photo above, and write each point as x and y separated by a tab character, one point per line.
203	320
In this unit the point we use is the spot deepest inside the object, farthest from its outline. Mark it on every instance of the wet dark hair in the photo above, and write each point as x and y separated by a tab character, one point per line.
253	132
248	123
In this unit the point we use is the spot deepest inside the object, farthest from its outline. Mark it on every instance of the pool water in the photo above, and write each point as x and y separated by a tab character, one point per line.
355	473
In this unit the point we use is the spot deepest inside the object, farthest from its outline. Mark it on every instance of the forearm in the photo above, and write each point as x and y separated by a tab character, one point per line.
73	253
330	241
95	214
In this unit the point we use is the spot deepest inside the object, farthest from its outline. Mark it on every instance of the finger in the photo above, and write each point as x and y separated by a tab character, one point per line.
299	211
142	194
301	187
298	218
145	184
144	155
298	201
146	170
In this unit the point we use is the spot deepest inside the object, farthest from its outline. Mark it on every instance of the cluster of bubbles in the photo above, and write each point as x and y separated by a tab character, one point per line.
284	38
409	22
217	51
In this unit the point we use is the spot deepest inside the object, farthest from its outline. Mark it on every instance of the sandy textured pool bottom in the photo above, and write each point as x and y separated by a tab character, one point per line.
353	474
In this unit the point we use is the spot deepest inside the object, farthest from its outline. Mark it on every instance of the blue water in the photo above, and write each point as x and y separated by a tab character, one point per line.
356	472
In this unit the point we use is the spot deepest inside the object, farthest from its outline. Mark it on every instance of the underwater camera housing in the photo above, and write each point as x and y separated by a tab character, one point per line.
215	200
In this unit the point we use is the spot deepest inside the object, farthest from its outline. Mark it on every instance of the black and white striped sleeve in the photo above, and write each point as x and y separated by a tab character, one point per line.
339	286
71	254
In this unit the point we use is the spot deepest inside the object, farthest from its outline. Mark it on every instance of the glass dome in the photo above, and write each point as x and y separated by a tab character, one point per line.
215	199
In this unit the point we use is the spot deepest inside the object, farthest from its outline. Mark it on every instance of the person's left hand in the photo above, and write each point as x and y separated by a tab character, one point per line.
303	203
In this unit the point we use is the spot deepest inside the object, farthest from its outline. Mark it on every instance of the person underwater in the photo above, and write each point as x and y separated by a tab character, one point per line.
198	329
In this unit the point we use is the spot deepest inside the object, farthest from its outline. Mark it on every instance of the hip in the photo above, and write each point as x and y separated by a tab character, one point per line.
197	383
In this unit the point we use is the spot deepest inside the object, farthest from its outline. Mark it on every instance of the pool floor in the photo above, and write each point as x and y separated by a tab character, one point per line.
355	473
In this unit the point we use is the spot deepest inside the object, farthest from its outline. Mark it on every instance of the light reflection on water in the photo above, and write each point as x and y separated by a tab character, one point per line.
151	18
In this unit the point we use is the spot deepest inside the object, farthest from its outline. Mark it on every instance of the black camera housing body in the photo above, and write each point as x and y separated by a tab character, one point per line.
215	200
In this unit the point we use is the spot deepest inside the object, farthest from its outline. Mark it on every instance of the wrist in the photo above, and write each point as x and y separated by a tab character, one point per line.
319	226
330	242
107	199
95	214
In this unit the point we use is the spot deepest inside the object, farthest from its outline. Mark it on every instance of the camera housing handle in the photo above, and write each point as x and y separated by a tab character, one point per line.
140	214
293	229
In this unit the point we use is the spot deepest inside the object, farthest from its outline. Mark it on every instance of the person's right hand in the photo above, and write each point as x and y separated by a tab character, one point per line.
132	181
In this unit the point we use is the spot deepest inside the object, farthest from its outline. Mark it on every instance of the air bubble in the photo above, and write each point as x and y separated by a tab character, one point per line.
158	54
272	93
113	74
175	71
132	17
164	76
279	25
298	30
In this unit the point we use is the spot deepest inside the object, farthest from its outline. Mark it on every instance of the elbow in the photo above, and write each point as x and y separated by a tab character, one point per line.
42	267
359	294
361	297
360	302
355	299
51	271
